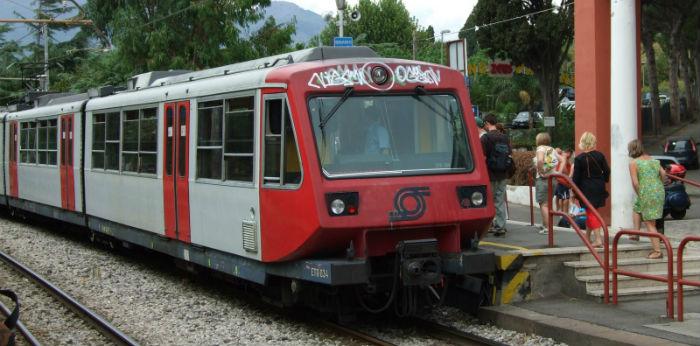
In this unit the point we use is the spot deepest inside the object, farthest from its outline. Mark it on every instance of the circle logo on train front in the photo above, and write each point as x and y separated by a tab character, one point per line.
378	76
409	204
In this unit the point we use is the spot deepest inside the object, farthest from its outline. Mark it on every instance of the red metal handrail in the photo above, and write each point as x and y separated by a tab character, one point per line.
605	262
679	278
530	184
669	275
689	182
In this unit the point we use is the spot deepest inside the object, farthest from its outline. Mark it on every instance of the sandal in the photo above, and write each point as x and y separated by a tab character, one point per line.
597	245
634	237
655	255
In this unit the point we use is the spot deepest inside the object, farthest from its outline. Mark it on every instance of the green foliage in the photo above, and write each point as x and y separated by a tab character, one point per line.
539	41
273	39
9	53
146	35
383	22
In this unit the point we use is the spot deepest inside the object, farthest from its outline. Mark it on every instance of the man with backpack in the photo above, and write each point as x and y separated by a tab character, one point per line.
499	161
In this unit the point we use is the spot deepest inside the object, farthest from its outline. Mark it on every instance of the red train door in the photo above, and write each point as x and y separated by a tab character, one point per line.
14	139
66	163
176	170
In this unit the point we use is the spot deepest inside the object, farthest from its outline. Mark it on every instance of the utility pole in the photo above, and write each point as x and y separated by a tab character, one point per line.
45	30
442	45
340	4
45	33
415	45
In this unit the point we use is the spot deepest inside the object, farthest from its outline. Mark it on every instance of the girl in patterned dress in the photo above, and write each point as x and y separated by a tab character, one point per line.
647	179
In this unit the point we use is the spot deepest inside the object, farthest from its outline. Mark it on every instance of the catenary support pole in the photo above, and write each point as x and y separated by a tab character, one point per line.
45	29
623	107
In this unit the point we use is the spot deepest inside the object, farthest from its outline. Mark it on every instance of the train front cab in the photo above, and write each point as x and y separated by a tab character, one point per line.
414	210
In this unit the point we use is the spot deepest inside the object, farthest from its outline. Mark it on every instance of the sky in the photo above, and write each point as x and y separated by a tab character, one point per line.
441	14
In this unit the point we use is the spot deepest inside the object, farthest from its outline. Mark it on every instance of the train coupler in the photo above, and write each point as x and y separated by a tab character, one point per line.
420	262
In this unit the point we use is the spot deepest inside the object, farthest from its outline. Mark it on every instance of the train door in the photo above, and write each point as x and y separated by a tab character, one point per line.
176	170
66	163
14	139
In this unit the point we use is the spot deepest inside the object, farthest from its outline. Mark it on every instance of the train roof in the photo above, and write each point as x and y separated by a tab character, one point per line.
59	104
162	86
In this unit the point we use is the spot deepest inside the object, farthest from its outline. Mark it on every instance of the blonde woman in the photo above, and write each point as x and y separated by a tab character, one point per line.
546	161
591	172
647	180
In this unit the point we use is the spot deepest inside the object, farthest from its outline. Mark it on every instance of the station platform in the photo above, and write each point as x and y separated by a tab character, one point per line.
558	292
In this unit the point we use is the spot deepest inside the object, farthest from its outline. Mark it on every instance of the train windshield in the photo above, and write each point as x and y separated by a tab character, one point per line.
360	135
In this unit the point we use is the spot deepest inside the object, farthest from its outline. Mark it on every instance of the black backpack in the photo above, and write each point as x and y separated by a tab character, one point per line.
500	159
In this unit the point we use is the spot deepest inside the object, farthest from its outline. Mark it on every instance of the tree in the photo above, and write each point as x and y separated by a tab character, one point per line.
540	41
649	24
273	39
386	26
9	53
176	34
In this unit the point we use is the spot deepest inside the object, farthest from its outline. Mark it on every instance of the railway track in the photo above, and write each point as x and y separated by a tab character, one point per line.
453	336
84	313
447	335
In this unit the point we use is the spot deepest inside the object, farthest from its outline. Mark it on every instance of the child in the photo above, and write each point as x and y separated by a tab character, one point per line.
578	213
563	192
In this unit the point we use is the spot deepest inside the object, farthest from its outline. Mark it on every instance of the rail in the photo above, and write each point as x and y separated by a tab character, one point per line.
687	181
21	328
679	278
531	184
104	327
605	262
669	274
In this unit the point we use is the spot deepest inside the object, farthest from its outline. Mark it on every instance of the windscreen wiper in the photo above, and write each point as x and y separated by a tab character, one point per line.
327	117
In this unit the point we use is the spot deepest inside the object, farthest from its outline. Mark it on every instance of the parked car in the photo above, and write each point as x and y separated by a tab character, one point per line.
665	160
646	99
683	149
522	120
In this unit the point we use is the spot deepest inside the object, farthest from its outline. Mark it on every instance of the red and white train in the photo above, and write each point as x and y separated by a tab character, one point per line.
324	175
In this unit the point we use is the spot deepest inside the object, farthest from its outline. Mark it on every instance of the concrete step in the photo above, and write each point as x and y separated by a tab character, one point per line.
584	268
595	282
642	293
628	251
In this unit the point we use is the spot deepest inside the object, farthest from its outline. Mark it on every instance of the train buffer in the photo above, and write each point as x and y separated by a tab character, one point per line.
558	291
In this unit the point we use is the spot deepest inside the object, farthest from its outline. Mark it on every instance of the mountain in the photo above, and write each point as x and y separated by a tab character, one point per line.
308	23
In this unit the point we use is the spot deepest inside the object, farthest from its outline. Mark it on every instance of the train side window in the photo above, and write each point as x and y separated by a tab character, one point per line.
112	132
238	136
148	140
282	165
130	143
27	149
139	141
98	141
46	138
209	139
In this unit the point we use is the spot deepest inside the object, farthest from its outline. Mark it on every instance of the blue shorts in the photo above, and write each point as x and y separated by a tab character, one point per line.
562	192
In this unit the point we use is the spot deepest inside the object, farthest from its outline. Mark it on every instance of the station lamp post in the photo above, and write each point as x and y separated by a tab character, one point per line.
340	4
442	45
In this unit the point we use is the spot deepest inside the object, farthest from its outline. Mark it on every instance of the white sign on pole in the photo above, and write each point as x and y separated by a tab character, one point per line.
457	55
549	122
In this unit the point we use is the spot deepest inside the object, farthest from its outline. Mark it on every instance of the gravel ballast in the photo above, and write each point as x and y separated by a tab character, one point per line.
162	307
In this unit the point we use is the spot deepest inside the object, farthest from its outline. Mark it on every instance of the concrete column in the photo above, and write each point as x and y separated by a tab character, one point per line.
623	107
592	39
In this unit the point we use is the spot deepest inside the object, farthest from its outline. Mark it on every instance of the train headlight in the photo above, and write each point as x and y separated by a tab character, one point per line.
380	75
337	206
342	203
471	196
477	199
